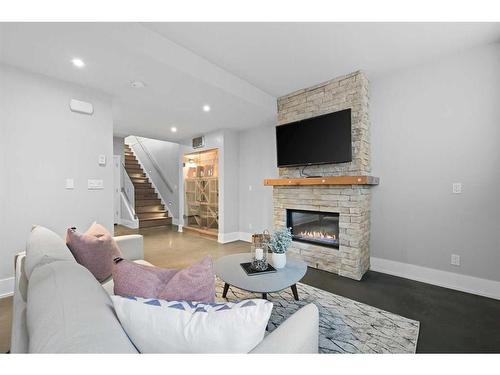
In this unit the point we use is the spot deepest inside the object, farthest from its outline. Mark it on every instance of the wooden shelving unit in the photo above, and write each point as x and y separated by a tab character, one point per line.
201	189
330	180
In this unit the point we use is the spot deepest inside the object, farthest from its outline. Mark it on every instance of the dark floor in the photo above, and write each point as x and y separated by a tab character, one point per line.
450	321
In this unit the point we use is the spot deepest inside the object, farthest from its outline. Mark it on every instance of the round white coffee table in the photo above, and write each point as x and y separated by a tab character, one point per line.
229	270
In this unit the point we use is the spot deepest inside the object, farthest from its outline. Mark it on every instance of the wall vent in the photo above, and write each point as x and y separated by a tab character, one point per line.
198	142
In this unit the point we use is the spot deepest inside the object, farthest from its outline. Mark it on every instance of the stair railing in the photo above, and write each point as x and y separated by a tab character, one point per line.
155	165
128	191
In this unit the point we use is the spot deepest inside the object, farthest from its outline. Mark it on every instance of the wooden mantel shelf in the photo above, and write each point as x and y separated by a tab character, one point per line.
329	180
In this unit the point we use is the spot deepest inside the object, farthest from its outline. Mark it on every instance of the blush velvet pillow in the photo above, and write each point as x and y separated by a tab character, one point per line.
194	283
95	250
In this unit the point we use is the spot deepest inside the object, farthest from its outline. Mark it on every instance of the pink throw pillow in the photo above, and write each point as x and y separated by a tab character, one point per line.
95	250
194	283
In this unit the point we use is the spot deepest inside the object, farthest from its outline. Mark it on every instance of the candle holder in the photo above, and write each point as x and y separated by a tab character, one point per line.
259	256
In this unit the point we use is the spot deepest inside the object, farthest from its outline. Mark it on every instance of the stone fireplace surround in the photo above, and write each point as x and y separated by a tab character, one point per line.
352	202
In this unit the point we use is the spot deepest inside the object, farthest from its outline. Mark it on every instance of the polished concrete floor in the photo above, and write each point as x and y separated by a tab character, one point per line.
5	323
450	321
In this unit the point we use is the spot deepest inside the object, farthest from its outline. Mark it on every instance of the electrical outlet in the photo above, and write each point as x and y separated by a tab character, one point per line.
457	188
455	260
249	187
70	184
95	185
250	226
102	160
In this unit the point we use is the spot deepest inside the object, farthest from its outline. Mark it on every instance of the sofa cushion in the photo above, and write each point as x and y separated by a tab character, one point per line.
95	250
158	326
68	311
109	284
194	283
44	246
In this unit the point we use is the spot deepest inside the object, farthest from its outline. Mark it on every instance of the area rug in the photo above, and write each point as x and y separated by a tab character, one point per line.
345	326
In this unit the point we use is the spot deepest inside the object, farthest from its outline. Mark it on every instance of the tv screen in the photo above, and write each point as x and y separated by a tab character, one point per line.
317	140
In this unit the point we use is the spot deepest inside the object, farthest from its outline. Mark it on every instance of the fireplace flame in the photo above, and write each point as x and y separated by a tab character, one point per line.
317	235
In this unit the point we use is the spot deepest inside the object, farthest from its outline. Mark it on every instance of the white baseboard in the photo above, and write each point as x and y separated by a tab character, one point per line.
463	283
244	236
228	237
129	223
6	287
234	236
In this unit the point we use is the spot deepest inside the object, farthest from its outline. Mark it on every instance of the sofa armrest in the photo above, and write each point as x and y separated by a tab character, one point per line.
131	246
297	334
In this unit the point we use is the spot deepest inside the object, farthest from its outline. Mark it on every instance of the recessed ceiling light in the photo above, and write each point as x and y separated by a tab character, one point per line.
206	108
137	84
173	129
78	62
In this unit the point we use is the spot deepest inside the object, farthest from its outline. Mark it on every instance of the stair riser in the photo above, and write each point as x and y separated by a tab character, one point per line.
154	223
144	191
142	185
149	215
147	202
133	175
145	197
150	209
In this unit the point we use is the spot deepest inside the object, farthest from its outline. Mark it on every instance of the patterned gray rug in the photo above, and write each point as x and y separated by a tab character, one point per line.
345	326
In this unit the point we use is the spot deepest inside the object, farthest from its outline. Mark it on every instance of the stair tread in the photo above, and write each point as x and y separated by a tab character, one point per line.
155	219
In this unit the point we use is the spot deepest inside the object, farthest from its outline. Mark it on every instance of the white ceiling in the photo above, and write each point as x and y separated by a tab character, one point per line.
178	82
237	68
283	57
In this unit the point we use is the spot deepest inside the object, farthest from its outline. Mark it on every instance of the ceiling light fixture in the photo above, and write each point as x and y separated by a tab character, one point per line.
137	84
78	62
206	108
173	129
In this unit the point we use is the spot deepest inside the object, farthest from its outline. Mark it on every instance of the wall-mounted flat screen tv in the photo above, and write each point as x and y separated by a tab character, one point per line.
318	140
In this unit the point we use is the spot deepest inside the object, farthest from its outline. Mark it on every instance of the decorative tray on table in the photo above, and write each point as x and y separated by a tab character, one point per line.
247	267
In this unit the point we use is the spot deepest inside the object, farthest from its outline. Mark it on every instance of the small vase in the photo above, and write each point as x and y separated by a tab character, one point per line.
279	260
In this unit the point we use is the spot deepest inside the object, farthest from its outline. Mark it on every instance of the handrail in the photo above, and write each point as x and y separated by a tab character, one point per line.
155	165
129	200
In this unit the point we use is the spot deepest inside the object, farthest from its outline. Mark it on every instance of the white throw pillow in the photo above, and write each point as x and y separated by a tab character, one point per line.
157	326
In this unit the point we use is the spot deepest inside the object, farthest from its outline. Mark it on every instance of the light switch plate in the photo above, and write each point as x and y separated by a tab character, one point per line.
95	184
70	183
455	259
102	159
457	188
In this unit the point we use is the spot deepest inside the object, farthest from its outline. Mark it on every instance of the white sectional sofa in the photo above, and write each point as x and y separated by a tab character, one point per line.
59	307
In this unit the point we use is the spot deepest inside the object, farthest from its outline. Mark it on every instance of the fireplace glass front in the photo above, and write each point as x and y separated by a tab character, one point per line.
319	228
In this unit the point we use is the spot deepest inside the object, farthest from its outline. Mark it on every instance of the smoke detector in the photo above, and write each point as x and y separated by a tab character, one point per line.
137	84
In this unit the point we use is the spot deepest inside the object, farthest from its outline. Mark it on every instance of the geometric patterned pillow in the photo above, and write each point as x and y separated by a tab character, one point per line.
159	326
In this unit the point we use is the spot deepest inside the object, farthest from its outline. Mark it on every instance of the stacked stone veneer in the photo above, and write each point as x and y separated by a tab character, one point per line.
352	202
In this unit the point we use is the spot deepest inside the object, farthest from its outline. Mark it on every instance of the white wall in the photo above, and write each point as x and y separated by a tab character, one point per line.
257	161
119	147
433	125
231	183
44	143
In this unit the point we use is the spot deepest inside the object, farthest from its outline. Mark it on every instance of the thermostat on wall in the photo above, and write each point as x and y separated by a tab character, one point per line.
81	107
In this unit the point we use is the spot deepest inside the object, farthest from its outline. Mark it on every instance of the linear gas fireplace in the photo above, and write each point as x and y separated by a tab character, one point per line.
316	227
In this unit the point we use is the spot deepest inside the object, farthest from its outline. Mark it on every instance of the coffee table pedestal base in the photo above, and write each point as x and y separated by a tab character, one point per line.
264	295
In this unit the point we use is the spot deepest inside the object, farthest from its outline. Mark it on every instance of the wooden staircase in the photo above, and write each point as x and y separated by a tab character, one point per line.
148	207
